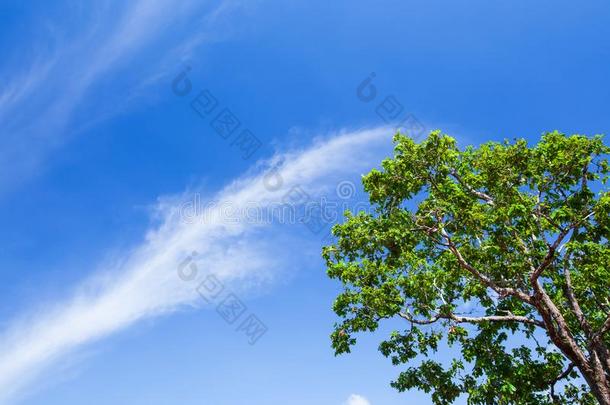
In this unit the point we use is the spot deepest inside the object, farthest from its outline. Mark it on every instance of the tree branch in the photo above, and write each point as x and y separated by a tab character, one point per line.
502	291
559	378
483	196
604	329
474	320
572	301
548	259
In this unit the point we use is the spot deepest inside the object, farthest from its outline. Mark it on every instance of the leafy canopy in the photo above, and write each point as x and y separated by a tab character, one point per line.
464	247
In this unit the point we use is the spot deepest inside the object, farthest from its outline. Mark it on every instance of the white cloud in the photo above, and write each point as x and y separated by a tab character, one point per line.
356	399
145	284
42	93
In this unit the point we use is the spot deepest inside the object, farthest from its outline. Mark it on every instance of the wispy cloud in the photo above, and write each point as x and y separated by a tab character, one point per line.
145	283
49	94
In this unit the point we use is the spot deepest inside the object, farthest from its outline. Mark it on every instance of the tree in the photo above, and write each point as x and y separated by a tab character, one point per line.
500	252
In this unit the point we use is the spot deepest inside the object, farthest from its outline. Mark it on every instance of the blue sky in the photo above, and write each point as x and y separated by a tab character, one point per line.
101	159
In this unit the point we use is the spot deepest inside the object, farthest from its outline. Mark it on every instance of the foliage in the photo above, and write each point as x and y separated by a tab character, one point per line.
500	252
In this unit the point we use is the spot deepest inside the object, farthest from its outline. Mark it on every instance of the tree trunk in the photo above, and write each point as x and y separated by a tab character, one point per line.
590	366
597	383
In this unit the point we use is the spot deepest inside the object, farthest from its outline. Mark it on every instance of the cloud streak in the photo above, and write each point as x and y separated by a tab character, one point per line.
113	48
145	284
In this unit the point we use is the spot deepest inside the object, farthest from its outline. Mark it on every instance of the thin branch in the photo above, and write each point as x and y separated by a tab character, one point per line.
409	318
603	330
548	259
502	291
569	292
472	319
481	195
574	303
559	378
